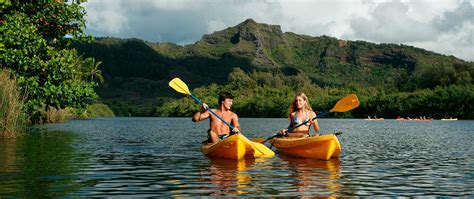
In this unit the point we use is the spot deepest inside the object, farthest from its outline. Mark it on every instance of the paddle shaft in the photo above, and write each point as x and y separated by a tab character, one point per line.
208	109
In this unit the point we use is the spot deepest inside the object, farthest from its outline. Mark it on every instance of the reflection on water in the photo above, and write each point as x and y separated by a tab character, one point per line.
230	176
315	176
38	163
8	166
160	157
300	177
8	154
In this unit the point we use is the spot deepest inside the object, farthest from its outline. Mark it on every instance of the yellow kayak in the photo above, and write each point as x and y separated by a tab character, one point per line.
321	147
236	147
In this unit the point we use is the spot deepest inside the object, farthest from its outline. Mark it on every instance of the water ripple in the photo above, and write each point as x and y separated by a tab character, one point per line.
154	157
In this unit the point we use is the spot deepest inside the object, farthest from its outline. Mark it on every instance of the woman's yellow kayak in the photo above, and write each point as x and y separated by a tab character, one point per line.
236	147
322	147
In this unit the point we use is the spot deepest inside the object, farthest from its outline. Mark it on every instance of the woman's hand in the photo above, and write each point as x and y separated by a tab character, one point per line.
284	132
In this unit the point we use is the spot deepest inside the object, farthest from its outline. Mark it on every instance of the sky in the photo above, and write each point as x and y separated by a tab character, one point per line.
442	26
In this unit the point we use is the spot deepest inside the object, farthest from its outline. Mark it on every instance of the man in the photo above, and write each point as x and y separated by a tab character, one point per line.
218	130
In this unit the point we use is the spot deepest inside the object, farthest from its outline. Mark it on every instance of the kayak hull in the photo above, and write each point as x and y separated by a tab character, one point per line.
236	147
322	147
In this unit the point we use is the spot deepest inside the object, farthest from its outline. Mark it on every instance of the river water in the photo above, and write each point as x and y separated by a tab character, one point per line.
160	157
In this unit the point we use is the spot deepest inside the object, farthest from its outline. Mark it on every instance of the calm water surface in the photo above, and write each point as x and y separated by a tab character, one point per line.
160	157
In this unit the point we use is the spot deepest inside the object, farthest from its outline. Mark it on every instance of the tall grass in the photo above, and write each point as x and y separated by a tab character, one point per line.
12	119
54	115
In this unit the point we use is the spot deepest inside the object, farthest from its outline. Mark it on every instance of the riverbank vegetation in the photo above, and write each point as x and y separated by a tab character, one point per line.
265	94
12	118
37	46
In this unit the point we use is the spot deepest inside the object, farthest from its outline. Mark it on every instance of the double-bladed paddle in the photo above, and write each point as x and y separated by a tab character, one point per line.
345	104
179	86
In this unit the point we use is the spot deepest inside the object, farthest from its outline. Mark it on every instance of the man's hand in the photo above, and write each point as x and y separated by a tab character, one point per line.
204	107
235	130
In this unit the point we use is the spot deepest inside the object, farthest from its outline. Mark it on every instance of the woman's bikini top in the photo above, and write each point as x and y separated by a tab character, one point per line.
296	120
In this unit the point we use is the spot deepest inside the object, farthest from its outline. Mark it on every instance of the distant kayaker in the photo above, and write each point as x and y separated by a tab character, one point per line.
218	130
300	111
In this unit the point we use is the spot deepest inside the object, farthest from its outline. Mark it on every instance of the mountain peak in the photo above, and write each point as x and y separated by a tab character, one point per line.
250	39
251	25
248	30
249	20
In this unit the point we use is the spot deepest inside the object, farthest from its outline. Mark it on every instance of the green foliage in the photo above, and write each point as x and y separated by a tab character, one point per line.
443	101
264	67
256	95
90	70
37	40
53	115
97	110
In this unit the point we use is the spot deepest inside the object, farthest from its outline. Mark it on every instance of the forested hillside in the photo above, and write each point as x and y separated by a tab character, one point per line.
264	67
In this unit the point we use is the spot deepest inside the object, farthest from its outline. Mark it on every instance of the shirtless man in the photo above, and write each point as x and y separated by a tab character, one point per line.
218	129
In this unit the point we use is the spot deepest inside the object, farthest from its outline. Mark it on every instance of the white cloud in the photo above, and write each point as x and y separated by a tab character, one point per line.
320	17
215	24
174	4
444	26
458	43
454	20
426	10
389	22
448	31
106	17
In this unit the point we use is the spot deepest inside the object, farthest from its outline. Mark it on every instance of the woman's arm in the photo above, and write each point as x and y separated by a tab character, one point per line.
315	124
285	131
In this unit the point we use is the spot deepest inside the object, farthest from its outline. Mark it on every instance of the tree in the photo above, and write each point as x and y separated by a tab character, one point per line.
36	42
91	71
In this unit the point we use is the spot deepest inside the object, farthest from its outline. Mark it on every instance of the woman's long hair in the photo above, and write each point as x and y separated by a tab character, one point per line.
294	107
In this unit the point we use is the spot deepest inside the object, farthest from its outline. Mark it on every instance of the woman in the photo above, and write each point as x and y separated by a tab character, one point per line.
300	111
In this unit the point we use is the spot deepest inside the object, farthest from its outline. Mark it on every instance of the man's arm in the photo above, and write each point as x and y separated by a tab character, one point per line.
235	123
201	114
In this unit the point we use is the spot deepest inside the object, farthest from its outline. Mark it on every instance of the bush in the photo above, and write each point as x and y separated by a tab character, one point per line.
98	110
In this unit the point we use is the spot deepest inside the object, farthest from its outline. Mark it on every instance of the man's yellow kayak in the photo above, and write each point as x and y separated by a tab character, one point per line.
321	147
236	147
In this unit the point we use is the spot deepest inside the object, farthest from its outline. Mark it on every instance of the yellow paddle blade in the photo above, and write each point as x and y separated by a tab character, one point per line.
262	151
345	104
178	85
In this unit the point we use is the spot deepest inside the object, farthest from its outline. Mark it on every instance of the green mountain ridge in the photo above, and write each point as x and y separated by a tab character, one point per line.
137	71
